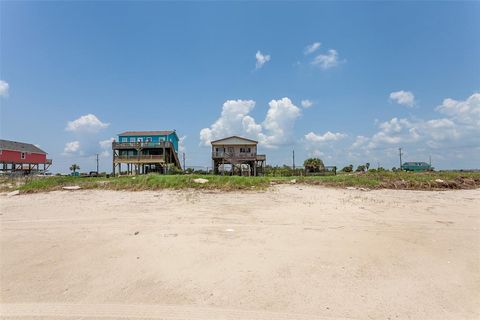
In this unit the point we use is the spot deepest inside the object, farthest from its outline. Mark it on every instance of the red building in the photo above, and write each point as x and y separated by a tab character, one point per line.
23	157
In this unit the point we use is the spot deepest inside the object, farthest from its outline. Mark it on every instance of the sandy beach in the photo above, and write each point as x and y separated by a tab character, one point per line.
292	252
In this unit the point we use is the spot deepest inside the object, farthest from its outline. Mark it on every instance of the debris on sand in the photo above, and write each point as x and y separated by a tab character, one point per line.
71	188
351	188
200	180
439	180
136	232
293	181
13	193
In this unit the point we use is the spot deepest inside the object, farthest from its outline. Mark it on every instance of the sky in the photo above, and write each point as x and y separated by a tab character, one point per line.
349	82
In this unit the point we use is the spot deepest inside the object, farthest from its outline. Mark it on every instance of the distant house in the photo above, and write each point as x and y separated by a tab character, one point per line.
145	151
417	166
22	157
240	154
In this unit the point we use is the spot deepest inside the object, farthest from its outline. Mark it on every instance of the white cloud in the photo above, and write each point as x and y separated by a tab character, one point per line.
306	103
360	141
327	60
106	144
261	59
4	88
279	123
312	48
317	144
404	98
71	147
464	112
87	123
326	137
235	119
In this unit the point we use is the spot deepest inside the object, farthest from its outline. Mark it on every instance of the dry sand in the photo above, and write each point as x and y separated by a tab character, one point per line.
295	252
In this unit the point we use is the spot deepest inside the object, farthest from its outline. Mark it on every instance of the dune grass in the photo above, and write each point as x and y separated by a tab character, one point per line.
372	180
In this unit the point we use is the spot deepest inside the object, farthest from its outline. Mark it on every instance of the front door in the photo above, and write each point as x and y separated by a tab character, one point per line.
230	150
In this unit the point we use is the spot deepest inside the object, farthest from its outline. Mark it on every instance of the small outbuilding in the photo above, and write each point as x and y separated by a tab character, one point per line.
416	166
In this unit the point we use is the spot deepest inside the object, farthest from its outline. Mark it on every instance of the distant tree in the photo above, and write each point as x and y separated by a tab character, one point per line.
74	167
394	169
314	165
348	168
360	168
367	165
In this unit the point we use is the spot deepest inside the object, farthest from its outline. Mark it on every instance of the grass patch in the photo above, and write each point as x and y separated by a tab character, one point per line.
372	180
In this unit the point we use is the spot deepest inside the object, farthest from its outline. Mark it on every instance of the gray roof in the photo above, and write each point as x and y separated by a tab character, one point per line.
20	146
232	138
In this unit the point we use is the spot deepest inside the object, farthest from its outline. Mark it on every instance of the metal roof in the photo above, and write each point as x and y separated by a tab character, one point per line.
20	146
147	133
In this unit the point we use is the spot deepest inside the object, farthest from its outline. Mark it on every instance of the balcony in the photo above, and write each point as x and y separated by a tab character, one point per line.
141	145
48	161
140	159
238	155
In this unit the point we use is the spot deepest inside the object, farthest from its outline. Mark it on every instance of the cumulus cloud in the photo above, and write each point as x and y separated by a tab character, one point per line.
71	148
326	60
465	112
326	137
317	145
461	126
404	98
86	123
306	103
235	119
261	59
312	48
4	88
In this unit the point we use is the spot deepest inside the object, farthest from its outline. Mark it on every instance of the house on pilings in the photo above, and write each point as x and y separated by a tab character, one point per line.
23	158
145	151
237	156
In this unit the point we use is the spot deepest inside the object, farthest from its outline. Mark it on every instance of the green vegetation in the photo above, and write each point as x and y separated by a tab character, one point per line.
372	179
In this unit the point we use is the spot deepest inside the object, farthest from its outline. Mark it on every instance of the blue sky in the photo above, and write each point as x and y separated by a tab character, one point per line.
383	75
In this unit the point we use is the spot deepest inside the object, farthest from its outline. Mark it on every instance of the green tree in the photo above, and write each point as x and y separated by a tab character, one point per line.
314	165
367	165
360	168
74	167
348	168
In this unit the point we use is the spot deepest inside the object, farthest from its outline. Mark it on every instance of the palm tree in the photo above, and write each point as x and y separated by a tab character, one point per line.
74	167
314	165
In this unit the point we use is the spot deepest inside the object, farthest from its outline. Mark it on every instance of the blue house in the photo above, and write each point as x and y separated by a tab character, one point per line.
145	151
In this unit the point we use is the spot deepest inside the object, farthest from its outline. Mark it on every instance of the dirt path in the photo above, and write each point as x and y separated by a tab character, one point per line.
298	252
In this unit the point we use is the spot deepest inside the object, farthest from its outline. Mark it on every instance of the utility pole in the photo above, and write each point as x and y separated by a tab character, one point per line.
183	154
293	159
97	163
430	160
400	154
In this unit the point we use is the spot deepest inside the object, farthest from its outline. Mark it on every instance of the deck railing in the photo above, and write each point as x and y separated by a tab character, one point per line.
139	157
139	145
238	155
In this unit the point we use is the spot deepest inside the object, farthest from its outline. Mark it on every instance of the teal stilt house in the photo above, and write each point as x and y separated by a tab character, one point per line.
145	151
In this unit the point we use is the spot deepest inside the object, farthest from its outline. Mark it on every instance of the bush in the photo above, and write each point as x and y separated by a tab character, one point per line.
348	168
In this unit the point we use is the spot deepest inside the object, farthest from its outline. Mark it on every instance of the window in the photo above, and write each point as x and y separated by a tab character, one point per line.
132	139
149	139
139	139
124	139
22	155
245	150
